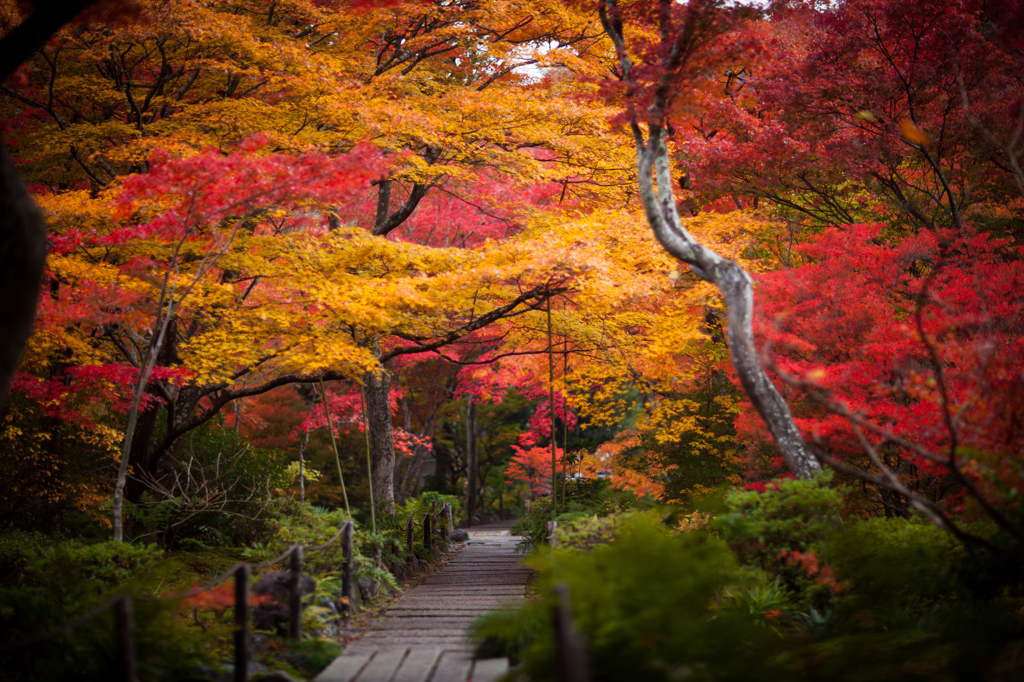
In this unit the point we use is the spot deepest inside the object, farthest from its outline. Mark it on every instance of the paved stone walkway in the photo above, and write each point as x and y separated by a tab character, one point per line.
423	637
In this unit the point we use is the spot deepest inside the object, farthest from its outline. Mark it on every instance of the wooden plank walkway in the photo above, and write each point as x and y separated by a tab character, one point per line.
423	637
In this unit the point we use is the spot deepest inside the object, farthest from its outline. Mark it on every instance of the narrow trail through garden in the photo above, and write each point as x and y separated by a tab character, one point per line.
423	637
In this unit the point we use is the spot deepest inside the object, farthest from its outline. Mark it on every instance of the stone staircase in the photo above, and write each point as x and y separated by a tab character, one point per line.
423	637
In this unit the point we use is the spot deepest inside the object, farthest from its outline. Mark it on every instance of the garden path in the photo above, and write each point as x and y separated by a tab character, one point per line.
424	637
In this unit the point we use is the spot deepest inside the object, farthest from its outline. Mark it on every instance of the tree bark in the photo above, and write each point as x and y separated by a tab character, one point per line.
737	288
472	461
22	256
382	445
662	215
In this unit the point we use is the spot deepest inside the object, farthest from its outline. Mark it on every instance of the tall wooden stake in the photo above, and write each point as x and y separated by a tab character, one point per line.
551	398
472	461
295	593
346	573
565	410
334	442
124	634
571	661
369	463
242	623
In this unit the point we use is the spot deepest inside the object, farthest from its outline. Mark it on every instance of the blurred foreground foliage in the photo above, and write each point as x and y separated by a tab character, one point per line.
48	582
775	585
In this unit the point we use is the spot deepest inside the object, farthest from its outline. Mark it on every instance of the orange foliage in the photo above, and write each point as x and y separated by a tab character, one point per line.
221	597
608	461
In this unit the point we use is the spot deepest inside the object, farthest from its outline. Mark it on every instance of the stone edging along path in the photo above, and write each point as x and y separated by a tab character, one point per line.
423	636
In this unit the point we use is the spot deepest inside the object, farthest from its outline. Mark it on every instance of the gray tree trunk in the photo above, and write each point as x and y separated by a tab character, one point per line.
737	288
654	164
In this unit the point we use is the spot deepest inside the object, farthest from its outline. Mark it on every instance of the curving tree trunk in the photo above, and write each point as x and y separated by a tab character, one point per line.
656	183
736	286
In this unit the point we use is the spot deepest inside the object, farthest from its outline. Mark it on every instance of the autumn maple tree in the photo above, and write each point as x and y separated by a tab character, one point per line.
674	45
120	124
872	129
394	198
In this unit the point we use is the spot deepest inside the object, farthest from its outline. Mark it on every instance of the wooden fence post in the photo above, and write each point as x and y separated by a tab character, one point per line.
125	636
410	541
570	654
552	526
242	623
295	596
346	573
427	539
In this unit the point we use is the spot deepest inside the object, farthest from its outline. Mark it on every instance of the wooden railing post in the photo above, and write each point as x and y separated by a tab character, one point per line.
410	532
427	539
570	654
446	511
125	636
451	519
295	594
346	571
552	526
242	623
442	519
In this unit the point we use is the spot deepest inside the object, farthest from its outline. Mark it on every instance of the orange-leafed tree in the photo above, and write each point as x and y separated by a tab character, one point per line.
441	95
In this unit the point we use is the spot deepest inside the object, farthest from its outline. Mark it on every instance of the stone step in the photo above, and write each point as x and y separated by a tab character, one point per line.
413	665
424	637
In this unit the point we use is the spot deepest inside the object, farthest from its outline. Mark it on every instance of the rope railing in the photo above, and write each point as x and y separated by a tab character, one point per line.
122	604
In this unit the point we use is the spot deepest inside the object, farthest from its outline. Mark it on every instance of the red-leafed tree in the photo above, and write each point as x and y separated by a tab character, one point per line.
904	356
532	466
906	114
905	109
664	52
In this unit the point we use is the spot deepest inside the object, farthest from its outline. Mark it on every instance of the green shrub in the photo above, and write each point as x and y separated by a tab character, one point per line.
588	492
532	526
17	549
649	606
103	565
429	502
584	499
166	647
783	530
580	532
653	605
216	464
896	565
66	581
790	514
309	525
391	530
300	523
308	656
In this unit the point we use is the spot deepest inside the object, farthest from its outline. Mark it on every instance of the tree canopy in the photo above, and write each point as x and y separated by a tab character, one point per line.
765	241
